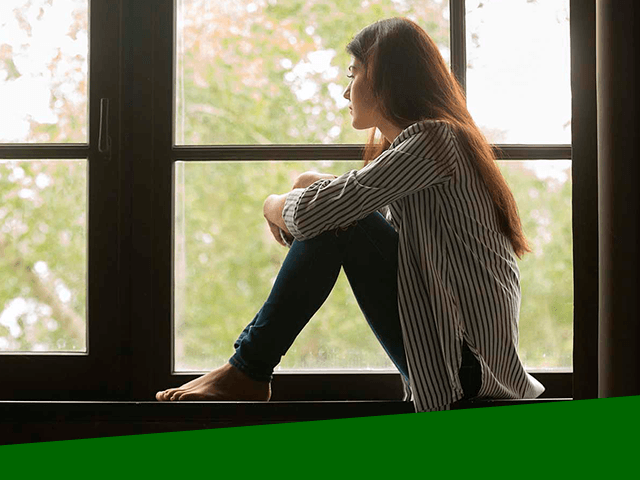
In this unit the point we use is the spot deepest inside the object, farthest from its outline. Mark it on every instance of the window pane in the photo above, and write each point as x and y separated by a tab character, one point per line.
273	71
518	70
543	192
43	71
43	255
226	261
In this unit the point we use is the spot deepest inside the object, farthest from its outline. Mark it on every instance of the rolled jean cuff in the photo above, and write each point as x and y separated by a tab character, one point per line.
237	361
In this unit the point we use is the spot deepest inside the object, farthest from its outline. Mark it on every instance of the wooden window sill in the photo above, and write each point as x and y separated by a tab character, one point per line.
39	421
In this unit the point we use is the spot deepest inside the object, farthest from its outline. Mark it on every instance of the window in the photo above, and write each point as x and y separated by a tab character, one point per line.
44	229
214	97
263	73
44	252
519	92
58	214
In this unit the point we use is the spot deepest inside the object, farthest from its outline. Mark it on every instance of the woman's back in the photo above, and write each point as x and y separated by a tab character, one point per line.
458	276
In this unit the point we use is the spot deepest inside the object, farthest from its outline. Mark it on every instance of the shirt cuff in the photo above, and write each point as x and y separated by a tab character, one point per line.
285	237
289	212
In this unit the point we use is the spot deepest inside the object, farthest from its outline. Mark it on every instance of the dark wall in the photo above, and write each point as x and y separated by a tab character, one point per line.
619	197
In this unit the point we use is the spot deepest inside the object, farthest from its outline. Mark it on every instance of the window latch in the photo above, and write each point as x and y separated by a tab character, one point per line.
104	140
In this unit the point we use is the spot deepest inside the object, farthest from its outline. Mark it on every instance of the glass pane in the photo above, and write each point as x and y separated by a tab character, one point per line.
43	255
543	192
518	70
226	261
44	46
273	71
224	267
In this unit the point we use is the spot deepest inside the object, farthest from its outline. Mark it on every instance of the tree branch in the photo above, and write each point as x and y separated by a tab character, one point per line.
72	323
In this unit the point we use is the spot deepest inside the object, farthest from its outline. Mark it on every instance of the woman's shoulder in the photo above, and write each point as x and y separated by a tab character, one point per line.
423	131
419	138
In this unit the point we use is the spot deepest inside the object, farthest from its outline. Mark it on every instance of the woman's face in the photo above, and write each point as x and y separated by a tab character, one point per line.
362	105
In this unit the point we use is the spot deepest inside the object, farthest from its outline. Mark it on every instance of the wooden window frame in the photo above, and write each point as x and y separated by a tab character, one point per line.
131	347
356	385
59	376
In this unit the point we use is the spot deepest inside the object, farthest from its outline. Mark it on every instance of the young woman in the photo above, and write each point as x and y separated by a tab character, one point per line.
427	233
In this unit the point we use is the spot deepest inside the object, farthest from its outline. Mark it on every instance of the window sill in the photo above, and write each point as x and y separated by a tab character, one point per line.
32	421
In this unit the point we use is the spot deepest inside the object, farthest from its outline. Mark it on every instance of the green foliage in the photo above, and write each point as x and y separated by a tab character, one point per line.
244	81
227	260
546	314
43	253
226	279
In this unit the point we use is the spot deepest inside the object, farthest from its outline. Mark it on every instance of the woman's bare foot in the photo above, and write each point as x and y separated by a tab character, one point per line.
224	383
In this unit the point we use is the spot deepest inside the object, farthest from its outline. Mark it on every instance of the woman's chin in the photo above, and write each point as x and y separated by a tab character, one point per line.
359	125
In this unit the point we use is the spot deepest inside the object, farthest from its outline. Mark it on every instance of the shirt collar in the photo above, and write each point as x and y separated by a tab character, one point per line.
411	130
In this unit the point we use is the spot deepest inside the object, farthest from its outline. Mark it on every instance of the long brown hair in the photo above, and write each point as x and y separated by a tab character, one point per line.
411	82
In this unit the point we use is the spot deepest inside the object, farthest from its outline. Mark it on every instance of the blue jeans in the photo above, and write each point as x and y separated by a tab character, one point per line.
368	252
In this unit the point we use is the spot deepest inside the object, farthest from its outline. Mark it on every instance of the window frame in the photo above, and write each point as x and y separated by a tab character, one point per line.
131	280
346	385
96	372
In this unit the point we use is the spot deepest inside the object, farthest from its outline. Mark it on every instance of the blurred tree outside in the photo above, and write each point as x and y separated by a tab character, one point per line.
268	71
248	72
43	206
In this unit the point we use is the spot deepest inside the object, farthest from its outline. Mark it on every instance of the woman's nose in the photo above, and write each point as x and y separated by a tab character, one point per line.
347	92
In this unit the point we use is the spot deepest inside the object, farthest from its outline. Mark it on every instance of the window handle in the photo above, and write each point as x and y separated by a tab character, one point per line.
104	140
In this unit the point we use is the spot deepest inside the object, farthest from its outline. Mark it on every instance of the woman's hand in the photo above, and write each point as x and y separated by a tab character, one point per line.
307	178
275	231
274	204
272	210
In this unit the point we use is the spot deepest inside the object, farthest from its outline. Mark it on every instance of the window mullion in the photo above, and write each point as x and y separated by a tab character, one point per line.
458	42
38	152
532	152
585	199
269	152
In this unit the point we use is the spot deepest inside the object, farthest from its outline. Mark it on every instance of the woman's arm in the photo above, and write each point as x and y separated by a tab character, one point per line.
424	160
272	210
274	204
309	178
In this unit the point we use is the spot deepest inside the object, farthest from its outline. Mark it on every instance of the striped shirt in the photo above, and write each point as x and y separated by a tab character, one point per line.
458	278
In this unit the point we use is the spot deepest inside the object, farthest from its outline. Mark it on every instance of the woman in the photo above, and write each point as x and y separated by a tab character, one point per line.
427	233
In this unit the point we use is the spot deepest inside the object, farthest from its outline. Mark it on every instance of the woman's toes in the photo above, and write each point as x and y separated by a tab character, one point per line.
163	396
182	396
175	395
195	396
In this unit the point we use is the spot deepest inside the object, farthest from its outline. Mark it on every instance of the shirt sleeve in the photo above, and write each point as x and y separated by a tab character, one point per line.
424	160
385	211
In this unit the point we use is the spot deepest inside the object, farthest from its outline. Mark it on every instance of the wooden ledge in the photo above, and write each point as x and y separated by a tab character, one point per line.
40	421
